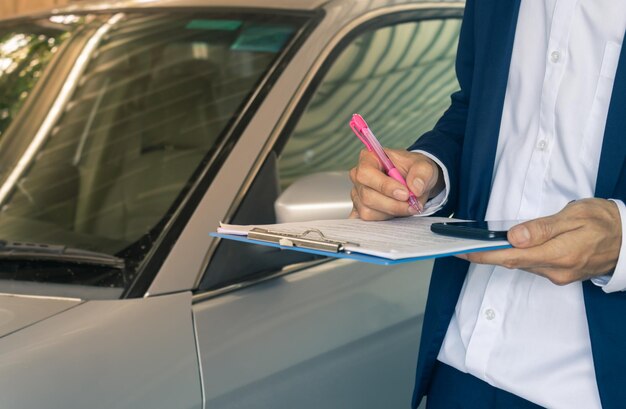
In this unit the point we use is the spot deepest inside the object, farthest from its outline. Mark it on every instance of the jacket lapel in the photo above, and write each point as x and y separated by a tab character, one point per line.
494	50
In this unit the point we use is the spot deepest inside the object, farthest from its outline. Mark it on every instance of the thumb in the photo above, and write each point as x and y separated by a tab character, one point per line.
534	232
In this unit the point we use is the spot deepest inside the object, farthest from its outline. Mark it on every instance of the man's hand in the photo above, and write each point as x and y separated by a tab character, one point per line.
581	241
376	196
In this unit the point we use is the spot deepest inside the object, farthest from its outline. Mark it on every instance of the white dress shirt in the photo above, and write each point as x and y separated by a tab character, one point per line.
513	329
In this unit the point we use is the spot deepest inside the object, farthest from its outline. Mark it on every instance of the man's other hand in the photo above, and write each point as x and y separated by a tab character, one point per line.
581	241
376	196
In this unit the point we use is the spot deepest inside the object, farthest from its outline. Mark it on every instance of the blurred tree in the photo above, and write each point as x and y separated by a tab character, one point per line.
24	52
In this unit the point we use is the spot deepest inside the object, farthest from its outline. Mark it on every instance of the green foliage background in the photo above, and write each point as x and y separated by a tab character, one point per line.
24	54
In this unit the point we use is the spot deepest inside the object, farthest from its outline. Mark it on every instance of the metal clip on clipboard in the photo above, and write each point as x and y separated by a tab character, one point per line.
303	240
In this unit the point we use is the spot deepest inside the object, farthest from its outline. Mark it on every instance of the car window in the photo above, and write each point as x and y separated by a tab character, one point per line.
399	77
154	102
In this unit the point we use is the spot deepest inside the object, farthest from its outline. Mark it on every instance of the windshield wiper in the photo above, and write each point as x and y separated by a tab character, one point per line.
16	250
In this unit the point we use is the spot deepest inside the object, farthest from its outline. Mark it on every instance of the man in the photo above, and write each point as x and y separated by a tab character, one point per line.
537	132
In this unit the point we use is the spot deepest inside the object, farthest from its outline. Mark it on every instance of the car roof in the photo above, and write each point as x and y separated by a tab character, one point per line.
254	4
304	5
85	6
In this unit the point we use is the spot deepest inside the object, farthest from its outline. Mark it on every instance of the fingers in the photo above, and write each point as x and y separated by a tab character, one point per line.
369	204
424	179
581	241
539	231
575	215
557	265
375	195
370	174
557	275
523	259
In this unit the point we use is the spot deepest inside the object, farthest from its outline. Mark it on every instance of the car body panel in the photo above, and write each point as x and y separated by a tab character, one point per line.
137	353
342	326
19	311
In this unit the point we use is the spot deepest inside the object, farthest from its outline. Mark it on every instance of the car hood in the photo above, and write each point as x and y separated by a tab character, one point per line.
20	311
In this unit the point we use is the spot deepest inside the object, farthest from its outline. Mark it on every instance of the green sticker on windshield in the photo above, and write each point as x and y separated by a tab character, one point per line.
263	38
224	25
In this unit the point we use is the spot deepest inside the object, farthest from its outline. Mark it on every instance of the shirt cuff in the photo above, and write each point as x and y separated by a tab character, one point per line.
617	280
435	204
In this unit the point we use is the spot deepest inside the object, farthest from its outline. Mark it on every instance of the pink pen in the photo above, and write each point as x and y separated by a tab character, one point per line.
360	128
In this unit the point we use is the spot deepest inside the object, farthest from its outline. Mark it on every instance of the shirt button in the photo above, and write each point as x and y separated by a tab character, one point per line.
490	314
555	56
542	144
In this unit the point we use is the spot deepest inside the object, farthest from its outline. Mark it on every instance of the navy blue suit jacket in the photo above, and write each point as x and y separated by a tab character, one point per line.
465	140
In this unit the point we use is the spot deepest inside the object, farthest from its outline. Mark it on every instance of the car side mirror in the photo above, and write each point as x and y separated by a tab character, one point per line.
319	196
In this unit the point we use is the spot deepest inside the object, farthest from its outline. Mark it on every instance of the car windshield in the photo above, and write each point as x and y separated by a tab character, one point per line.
102	161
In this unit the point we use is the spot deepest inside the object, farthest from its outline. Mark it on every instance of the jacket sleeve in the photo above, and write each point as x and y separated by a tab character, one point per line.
445	141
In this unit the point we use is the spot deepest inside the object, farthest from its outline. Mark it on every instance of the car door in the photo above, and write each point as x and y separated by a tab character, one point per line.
279	329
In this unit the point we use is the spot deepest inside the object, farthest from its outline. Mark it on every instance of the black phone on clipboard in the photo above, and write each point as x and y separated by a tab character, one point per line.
477	230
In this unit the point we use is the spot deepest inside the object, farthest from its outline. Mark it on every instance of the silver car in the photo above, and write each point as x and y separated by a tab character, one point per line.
129	129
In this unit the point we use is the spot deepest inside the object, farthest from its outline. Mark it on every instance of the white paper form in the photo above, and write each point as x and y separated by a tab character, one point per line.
394	239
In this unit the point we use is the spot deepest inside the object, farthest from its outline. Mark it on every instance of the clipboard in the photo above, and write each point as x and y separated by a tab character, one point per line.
312	240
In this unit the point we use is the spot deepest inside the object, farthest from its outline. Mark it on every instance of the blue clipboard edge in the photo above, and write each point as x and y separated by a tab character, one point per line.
366	258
